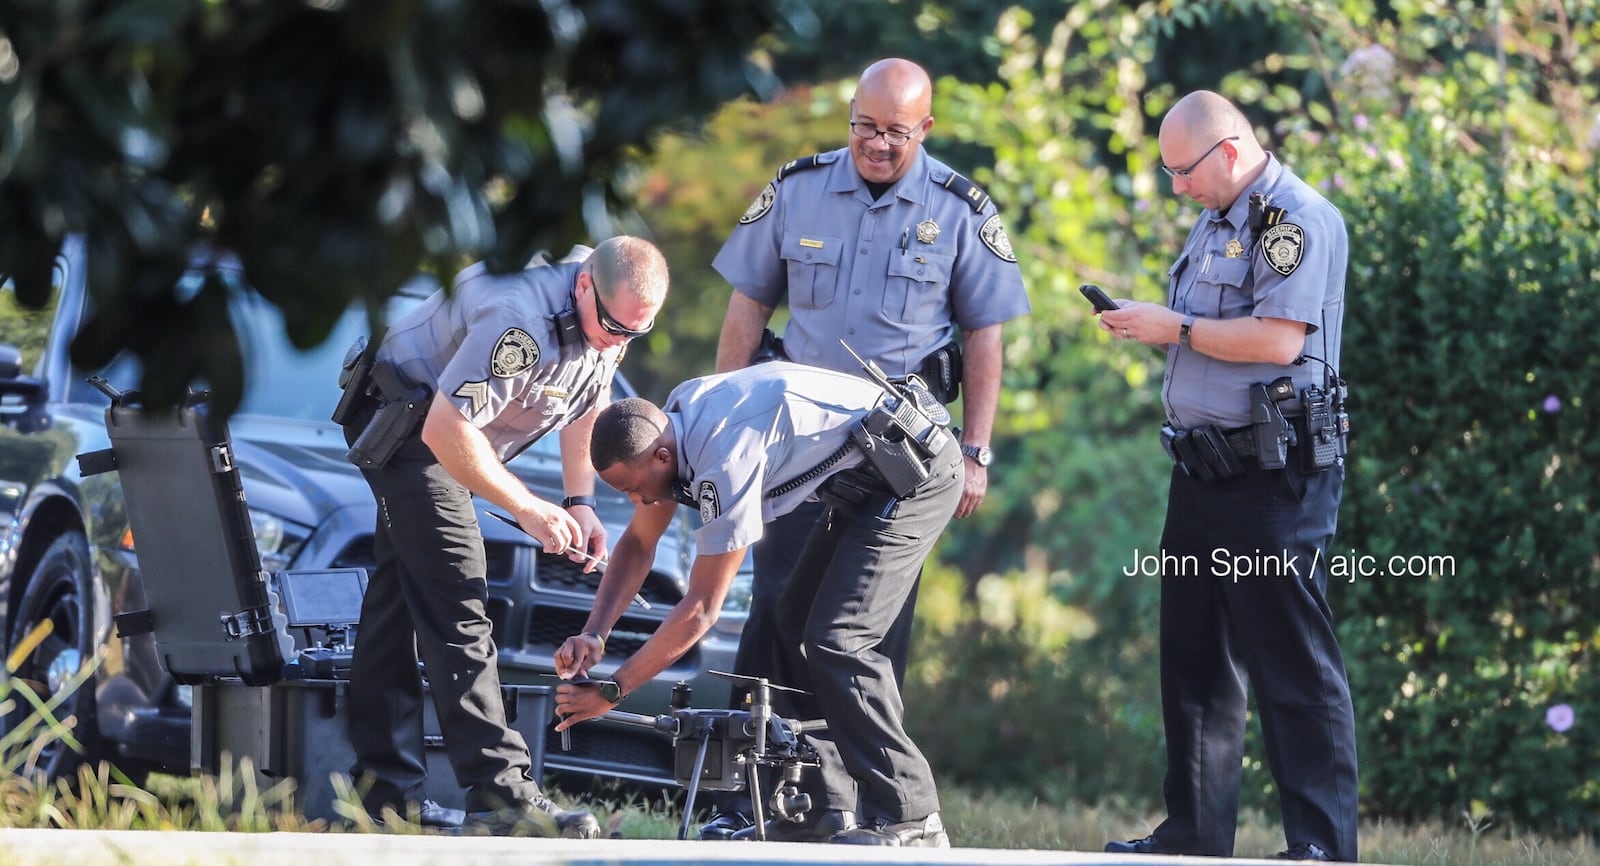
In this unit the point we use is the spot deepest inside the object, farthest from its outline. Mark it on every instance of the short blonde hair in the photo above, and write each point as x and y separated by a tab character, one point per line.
629	264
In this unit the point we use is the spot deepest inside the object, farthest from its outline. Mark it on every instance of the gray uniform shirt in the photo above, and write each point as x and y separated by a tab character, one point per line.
491	345
743	433
1292	270
895	278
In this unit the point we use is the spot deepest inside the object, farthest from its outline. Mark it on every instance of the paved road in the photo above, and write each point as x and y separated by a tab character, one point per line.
136	848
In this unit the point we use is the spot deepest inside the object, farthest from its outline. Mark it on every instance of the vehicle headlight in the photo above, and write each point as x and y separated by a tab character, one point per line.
277	540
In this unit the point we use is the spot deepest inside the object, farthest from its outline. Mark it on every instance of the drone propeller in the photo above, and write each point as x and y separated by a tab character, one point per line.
744	679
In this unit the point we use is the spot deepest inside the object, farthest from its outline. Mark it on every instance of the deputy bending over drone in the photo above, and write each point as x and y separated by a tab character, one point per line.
745	447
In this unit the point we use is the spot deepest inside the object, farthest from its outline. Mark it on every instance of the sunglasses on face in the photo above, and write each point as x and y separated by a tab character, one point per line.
610	325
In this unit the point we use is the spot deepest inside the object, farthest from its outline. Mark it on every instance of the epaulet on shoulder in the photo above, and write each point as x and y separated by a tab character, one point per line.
969	191
804	163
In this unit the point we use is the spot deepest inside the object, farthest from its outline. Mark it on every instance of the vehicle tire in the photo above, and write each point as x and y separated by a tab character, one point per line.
58	591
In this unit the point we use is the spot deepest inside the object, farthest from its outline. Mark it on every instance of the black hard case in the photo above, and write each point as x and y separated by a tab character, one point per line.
210	608
296	729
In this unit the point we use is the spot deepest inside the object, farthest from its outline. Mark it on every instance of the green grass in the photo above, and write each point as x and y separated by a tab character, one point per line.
1002	821
97	800
100	797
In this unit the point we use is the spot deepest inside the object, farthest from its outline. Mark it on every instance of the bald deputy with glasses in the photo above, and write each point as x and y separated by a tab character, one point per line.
881	246
1258	287
498	362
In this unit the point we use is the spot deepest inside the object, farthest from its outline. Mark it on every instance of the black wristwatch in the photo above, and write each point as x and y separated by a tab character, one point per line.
577	500
979	453
610	690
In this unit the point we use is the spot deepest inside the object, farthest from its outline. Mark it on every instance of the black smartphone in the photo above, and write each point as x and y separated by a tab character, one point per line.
1098	297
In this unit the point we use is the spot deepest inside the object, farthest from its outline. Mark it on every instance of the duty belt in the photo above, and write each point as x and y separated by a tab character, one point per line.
1209	453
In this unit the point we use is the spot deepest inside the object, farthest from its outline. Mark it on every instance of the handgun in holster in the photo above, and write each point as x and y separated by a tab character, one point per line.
402	407
1273	433
770	348
354	377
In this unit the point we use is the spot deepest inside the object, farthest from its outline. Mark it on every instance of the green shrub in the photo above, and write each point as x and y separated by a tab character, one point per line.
1471	347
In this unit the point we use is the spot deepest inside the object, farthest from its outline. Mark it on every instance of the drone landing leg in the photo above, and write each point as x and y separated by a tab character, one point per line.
754	784
694	784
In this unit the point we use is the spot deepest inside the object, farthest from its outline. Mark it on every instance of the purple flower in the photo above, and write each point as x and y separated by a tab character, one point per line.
1559	718
1552	404
1361	122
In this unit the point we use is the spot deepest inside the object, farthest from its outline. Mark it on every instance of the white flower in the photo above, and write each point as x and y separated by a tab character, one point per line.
1368	71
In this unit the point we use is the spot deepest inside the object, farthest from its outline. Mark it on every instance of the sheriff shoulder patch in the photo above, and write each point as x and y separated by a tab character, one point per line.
514	353
710	506
1282	247
760	206
995	238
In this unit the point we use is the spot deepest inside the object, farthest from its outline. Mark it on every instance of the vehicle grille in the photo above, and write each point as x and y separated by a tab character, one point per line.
500	559
626	750
557	573
549	627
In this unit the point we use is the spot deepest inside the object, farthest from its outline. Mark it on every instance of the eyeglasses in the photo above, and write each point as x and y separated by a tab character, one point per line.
894	138
1184	172
612	326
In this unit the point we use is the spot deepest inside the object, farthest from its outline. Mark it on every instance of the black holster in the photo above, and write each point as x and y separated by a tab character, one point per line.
850	489
354	380
769	349
942	372
401	408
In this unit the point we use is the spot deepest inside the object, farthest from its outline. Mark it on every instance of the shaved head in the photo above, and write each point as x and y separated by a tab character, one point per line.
893	96
897	82
1210	149
1205	116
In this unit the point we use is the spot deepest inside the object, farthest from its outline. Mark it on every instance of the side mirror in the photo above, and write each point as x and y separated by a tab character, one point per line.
10	362
21	397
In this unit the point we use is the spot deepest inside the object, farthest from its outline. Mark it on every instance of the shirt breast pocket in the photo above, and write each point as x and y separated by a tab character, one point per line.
813	266
1224	288
918	286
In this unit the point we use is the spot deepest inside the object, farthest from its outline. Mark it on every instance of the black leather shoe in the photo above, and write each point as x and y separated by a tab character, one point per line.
819	826
723	825
1305	851
535	817
1147	845
923	833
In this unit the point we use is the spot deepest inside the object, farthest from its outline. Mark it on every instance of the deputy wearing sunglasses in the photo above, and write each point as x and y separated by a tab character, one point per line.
499	361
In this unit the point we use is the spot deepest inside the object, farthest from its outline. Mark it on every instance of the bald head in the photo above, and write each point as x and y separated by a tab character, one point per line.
1211	150
895	97
898	82
1206	116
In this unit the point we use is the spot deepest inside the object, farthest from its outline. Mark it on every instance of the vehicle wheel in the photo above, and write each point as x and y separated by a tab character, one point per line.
59	592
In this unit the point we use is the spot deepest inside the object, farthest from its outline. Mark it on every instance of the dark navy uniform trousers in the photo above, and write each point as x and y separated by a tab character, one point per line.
428	596
1220	627
847	590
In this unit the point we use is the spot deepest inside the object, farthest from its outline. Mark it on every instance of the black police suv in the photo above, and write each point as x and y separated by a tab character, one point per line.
67	554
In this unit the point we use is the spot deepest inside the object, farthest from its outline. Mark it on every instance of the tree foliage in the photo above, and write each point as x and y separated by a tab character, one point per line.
1463	164
334	146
